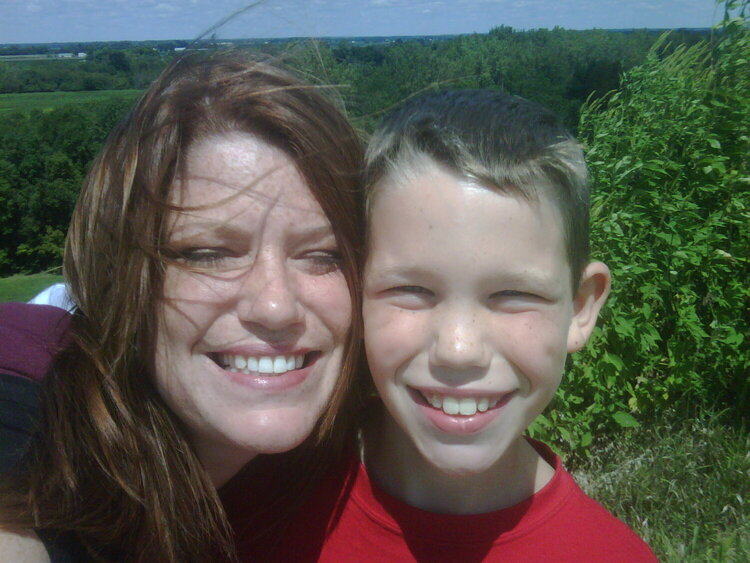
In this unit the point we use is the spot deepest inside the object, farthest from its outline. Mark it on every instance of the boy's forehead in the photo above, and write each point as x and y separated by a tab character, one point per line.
424	180
410	168
465	220
419	181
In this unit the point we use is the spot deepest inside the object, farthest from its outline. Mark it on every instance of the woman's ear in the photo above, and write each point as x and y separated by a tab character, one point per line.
587	302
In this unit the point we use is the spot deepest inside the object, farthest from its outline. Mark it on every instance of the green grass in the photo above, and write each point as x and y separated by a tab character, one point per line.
47	101
683	486
23	288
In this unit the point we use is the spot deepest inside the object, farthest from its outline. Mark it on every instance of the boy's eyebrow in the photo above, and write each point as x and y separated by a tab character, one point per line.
406	271
534	277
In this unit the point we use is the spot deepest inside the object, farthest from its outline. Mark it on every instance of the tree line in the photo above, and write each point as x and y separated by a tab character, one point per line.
44	155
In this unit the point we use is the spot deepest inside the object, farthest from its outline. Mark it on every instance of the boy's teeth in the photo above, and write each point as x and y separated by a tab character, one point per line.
265	364
450	405
261	364
467	407
464	406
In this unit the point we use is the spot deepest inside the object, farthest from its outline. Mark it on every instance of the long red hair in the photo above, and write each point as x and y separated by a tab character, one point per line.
111	463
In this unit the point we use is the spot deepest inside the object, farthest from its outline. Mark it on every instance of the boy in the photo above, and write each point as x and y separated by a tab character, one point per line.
477	286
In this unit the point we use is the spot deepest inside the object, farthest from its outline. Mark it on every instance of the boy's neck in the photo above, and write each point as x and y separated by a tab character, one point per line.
396	466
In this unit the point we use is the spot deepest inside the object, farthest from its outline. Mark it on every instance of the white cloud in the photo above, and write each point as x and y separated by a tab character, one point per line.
163	7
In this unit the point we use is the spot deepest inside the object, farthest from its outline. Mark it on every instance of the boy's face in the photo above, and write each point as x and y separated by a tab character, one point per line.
468	314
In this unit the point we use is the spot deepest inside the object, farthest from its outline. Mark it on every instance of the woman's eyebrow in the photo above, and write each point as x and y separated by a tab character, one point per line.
320	232
194	229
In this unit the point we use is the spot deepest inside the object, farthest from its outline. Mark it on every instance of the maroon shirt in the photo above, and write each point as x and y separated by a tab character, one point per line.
30	336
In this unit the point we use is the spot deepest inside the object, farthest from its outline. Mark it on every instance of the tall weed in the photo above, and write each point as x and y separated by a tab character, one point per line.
669	159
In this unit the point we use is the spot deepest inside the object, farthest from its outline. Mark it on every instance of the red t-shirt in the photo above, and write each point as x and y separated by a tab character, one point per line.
348	518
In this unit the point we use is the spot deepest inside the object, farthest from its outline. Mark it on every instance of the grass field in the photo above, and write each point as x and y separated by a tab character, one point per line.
683	484
46	101
23	288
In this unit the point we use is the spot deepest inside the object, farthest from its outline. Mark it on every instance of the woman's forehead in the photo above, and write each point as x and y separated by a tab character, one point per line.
237	182
238	165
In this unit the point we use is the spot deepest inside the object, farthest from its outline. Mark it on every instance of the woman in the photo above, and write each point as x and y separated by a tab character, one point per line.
212	256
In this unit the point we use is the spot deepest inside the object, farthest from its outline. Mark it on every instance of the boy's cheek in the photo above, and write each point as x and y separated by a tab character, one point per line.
390	334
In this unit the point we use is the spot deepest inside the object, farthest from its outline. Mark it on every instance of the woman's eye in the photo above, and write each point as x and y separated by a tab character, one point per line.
204	256
322	262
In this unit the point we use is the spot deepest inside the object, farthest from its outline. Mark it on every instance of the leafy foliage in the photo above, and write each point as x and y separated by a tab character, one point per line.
668	154
559	68
104	69
43	156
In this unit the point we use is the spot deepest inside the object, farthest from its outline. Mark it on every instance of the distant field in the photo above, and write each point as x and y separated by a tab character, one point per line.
46	101
23	288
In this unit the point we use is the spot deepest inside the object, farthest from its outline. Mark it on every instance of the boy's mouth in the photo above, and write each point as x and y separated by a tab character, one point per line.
460	406
264	365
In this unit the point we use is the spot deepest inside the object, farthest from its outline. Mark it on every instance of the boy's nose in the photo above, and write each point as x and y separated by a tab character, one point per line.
268	298
458	343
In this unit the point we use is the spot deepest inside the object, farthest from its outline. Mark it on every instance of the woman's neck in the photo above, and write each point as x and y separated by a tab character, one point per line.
394	463
221	462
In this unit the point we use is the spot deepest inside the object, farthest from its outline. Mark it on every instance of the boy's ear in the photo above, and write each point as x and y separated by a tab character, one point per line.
592	293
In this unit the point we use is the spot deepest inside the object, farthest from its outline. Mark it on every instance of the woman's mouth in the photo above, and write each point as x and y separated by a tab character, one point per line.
264	365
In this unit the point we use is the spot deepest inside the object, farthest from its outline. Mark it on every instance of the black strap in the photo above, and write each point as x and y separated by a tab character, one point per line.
19	415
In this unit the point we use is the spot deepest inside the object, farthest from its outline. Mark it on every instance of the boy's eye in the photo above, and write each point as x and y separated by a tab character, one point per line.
512	293
514	300
412	289
410	296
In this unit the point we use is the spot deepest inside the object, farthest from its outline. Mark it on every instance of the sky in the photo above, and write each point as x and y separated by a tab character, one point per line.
47	21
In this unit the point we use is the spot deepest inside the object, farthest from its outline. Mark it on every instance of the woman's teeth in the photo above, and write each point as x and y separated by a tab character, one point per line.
465	406
261	364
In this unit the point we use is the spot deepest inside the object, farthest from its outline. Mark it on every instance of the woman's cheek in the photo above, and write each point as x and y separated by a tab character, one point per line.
333	303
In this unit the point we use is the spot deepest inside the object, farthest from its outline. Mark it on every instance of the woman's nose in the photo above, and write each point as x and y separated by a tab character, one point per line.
268	296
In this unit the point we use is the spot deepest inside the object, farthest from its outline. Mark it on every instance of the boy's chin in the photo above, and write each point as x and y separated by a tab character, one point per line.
464	461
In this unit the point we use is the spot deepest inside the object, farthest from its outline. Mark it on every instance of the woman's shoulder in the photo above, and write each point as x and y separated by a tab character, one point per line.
22	546
30	337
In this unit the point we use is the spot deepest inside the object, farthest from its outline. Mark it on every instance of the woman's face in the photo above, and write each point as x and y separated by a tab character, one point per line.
256	312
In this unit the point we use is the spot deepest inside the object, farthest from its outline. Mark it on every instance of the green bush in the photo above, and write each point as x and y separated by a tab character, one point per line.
668	154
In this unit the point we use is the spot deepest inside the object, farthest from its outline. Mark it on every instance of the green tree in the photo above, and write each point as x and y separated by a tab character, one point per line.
668	154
